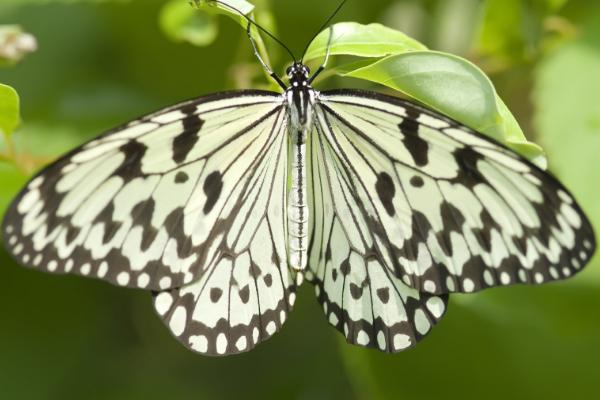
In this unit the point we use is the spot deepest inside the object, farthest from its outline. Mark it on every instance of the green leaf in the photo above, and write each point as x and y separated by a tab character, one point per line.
9	109
454	87
351	38
446	83
183	23
230	8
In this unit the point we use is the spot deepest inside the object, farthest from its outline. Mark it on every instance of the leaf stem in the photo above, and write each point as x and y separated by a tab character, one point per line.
11	153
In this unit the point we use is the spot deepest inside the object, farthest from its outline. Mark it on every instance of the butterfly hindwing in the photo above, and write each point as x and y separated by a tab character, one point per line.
352	274
459	211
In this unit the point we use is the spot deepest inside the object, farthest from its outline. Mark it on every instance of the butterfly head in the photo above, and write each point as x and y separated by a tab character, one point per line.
298	74
300	96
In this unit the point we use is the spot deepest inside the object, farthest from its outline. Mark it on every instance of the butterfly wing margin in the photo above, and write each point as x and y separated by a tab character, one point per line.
353	279
247	290
460	211
138	206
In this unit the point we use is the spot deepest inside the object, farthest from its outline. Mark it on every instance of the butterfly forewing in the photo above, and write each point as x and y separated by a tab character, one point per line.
139	205
457	211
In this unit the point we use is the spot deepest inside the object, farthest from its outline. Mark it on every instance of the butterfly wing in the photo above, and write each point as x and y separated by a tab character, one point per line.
246	289
188	202
458	211
350	267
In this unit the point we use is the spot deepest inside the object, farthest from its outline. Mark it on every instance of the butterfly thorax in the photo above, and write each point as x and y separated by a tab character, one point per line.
300	99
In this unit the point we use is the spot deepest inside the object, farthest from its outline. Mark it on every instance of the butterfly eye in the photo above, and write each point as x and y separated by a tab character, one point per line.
289	70
306	70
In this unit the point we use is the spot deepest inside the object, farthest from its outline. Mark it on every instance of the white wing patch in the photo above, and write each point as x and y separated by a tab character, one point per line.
459	211
351	270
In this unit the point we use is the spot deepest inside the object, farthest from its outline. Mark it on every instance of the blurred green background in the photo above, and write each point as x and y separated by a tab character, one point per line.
100	63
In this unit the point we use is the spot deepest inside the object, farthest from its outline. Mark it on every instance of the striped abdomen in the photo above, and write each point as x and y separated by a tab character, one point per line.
297	205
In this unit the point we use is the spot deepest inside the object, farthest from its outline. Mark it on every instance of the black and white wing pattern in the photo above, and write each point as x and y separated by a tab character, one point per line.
350	261
451	210
188	202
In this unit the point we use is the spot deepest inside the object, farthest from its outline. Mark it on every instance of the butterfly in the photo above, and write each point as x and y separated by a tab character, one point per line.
223	205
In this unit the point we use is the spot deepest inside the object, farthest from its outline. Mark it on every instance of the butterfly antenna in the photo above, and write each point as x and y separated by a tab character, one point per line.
325	24
251	21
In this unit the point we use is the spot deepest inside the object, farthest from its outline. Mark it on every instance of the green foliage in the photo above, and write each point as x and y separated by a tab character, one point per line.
351	38
234	9
182	23
447	83
9	109
514	31
455	87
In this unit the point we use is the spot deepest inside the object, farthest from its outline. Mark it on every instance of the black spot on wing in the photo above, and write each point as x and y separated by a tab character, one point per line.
268	280
185	142
173	224
467	160
72	233
356	291
483	235
345	267
213	184
142	213
415	145
255	270
132	165
453	221
245	294
111	227
417	181
328	252
386	191
383	294
421	225
181	177
215	294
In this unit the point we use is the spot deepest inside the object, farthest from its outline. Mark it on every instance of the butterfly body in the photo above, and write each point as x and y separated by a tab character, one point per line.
300	97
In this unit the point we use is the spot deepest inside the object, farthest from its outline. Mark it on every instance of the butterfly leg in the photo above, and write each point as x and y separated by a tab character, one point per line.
262	62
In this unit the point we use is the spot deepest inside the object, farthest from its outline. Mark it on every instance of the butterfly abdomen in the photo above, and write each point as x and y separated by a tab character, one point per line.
297	205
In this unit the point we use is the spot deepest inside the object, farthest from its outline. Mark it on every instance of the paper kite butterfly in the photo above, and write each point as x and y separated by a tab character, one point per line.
222	205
